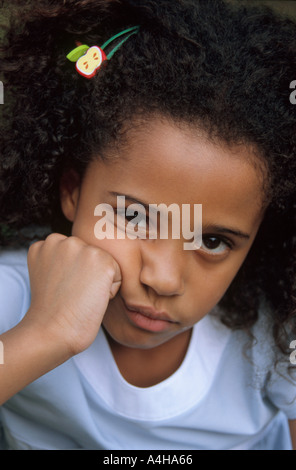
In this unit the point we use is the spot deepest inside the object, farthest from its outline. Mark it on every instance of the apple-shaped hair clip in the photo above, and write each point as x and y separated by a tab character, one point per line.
88	64
89	59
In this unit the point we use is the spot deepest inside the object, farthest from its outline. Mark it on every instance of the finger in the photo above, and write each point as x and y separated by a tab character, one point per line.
117	274
114	289
34	249
55	237
116	281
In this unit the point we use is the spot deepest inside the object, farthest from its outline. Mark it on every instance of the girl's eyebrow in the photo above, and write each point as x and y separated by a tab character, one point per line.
207	227
131	198
226	230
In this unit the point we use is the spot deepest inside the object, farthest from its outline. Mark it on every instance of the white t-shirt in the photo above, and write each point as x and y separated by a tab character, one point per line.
217	399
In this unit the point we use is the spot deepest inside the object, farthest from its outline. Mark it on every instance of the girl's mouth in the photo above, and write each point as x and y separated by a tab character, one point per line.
147	318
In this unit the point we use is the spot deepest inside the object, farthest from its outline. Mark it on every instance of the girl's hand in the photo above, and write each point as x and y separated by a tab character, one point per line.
71	285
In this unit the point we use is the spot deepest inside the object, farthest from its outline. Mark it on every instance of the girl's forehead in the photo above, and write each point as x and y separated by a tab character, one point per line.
162	153
166	163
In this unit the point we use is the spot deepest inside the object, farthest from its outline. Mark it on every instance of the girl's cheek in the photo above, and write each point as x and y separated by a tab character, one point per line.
123	251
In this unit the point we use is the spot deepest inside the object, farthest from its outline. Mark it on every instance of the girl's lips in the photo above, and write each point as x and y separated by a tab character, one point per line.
148	319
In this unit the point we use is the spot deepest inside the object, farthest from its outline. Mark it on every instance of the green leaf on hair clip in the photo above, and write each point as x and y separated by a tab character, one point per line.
78	52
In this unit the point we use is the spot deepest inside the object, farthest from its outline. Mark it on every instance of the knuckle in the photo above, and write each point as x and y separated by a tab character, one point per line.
94	254
54	237
34	248
73	242
72	239
110	267
101	258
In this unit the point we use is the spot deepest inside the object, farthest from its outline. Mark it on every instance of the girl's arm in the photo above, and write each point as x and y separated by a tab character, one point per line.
71	285
292	424
28	353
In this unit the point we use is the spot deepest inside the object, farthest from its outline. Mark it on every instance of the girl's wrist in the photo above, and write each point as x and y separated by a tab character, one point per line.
44	339
30	351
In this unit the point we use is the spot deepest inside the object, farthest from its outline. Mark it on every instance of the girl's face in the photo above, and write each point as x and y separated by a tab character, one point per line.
166	289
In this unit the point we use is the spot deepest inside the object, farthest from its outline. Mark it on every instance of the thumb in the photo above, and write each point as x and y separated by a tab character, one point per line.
116	282
114	289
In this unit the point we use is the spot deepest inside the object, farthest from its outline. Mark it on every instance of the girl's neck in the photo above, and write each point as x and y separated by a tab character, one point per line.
148	367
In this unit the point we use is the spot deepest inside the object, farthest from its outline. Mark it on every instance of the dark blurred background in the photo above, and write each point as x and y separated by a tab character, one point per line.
286	7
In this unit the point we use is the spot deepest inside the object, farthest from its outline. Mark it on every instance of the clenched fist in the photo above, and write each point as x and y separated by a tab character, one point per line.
71	285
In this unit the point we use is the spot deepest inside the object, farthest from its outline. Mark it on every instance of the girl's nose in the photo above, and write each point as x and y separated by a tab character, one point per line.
163	266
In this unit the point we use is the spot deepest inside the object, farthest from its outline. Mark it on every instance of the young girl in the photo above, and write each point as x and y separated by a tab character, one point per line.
133	342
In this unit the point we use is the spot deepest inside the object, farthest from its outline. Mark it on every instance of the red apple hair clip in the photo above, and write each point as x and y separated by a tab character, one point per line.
89	59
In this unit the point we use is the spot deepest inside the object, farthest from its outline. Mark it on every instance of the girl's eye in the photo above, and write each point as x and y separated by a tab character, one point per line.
136	223
214	245
137	219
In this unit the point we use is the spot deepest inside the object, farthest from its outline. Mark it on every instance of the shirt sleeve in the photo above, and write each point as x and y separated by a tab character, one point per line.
15	299
14	289
281	388
277	371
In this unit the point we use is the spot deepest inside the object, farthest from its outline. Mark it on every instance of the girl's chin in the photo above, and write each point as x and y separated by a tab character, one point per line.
138	339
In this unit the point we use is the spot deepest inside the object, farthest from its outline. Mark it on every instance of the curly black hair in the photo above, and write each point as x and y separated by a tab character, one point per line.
221	67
